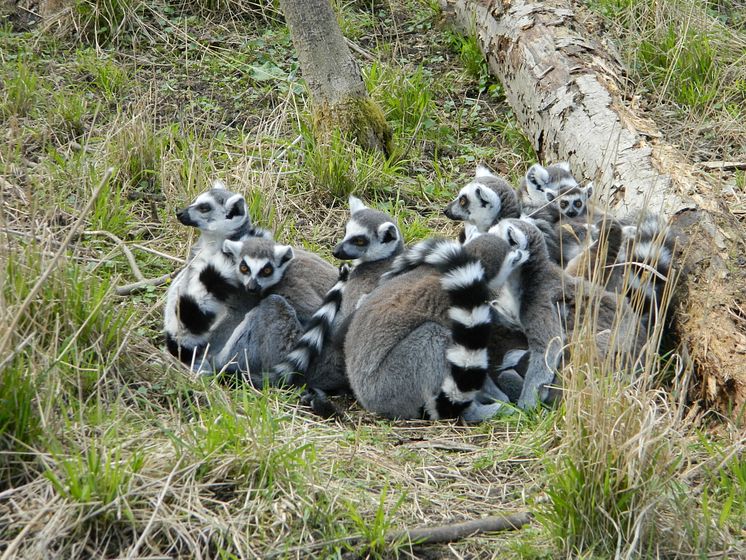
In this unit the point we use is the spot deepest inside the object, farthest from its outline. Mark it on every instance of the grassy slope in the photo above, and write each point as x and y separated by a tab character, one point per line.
109	450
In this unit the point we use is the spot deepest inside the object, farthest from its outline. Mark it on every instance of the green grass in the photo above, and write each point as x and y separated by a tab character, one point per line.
687	57
20	94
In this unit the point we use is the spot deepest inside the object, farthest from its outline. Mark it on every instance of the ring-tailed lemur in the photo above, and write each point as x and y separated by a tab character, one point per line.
483	202
266	267
548	304
219	214
290	285
558	206
372	240
552	192
418	346
644	264
203	304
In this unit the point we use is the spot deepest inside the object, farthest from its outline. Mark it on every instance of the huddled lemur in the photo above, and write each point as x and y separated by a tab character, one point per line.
204	303
289	285
644	263
553	193
418	345
483	202
549	304
371	241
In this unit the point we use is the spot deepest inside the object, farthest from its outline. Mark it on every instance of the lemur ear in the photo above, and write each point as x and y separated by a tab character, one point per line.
235	206
356	204
387	233
589	189
483	201
483	171
232	248
550	196
284	254
563	165
218	184
537	175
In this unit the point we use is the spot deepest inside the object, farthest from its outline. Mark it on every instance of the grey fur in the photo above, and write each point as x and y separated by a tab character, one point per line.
396	344
264	336
550	303
372	240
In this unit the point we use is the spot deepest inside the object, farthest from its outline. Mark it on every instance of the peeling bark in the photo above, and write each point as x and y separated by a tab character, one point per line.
564	89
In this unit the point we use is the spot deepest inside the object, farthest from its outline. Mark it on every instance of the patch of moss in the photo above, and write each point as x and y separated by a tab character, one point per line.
356	117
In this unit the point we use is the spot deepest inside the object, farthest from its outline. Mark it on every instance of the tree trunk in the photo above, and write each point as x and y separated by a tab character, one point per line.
338	95
564	89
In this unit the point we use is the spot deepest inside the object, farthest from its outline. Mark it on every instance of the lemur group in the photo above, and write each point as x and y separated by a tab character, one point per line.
445	328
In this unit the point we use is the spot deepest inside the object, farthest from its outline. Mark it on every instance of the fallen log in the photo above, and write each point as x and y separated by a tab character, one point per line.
565	90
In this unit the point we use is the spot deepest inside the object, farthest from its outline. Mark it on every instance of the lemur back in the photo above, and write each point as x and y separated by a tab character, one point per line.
418	347
371	241
204	303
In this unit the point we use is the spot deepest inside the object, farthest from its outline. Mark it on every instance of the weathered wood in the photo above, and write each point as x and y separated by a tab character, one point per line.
564	89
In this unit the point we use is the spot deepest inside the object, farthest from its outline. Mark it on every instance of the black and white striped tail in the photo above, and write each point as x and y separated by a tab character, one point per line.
465	281
430	251
292	371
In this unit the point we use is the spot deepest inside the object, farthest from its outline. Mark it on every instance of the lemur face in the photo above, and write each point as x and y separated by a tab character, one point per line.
260	263
476	204
369	235
217	211
571	202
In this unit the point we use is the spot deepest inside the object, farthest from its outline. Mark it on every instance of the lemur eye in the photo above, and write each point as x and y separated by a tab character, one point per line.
243	267
204	208
563	204
578	203
266	271
462	201
359	241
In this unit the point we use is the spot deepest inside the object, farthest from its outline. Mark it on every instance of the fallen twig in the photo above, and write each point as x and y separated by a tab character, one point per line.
723	165
158	253
128	289
126	250
461	530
